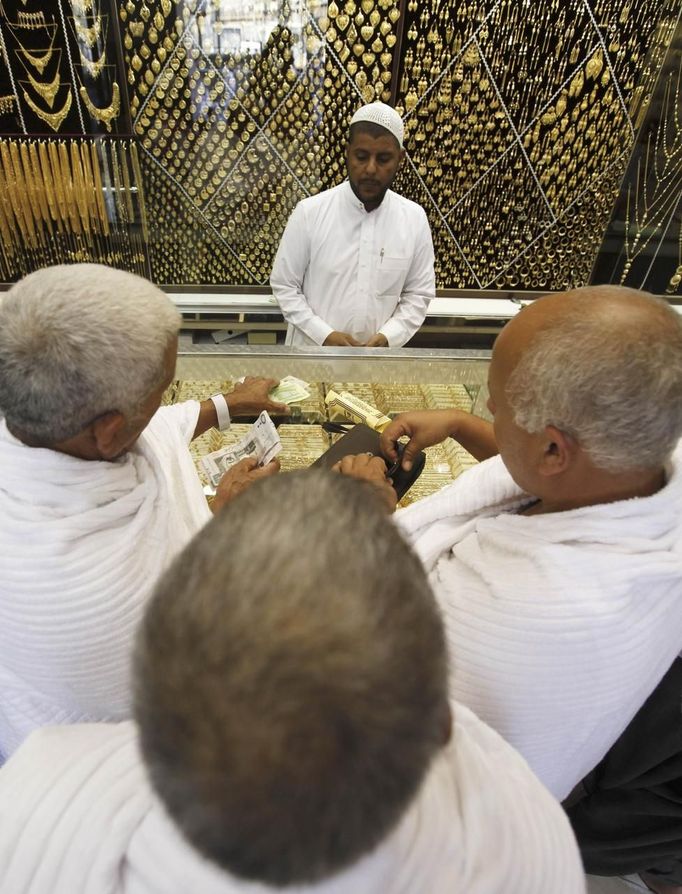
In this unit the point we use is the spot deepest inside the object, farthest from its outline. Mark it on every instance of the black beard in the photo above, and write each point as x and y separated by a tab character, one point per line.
377	201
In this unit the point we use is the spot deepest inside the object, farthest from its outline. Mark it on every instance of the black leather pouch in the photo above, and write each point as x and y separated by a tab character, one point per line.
363	439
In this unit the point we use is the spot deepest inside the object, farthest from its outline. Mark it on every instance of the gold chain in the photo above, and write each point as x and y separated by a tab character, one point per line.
99	190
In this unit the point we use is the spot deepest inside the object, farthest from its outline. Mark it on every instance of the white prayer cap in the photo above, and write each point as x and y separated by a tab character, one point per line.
385	116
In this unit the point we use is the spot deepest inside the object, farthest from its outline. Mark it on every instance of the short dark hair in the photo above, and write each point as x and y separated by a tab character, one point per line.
374	130
291	680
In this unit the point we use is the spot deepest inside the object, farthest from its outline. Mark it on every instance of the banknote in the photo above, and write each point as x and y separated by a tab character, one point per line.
261	443
352	407
290	390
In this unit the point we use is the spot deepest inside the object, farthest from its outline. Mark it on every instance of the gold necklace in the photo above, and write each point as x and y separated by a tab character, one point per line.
105	115
31	20
90	35
47	91
39	62
81	7
94	69
54	120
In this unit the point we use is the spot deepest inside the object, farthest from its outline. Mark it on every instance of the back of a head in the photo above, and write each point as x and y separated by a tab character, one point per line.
291	680
77	341
604	364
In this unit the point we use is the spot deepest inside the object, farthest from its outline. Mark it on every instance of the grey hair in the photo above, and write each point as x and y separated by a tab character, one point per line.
77	341
608	371
291	680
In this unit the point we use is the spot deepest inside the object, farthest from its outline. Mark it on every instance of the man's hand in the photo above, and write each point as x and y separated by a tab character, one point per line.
370	468
341	340
239	477
424	429
250	397
377	341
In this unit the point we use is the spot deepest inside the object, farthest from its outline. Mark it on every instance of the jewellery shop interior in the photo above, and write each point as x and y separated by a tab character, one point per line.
543	139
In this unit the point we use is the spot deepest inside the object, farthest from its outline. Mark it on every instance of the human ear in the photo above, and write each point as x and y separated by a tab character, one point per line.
558	451
108	433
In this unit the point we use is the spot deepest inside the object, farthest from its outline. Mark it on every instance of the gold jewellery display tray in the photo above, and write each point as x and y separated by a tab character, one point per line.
393	380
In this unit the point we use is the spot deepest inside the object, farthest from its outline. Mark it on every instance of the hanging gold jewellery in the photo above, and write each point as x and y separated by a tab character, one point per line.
81	7
54	120
6	104
94	69
105	115
89	35
30	20
47	91
38	61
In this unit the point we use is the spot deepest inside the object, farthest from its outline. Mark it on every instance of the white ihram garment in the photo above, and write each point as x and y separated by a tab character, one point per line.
340	267
82	544
77	816
559	625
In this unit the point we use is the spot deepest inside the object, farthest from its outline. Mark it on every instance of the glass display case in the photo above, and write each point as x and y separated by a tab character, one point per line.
393	381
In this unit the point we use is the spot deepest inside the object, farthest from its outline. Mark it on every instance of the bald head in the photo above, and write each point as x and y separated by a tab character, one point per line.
619	309
603	364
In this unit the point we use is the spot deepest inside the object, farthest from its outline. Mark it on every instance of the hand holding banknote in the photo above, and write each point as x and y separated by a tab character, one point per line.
252	395
237	479
261	444
290	390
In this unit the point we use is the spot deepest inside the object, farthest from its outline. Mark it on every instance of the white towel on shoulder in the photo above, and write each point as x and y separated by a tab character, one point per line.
559	625
77	816
82	544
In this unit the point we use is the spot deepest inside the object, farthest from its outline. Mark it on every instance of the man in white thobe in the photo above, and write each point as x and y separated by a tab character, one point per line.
558	563
293	733
355	264
97	486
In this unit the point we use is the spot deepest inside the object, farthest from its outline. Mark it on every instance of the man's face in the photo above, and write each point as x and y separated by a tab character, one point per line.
372	164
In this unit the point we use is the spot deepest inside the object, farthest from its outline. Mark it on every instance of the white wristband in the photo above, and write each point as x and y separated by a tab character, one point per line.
222	411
